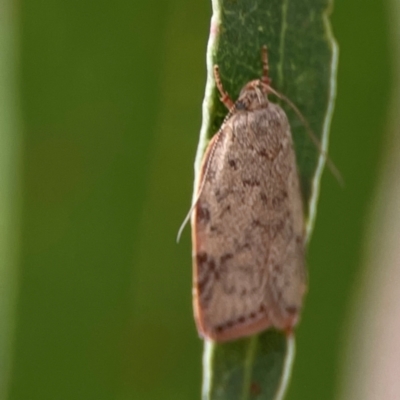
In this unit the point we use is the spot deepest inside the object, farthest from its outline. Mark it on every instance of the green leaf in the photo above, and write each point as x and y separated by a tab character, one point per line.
10	147
303	59
253	368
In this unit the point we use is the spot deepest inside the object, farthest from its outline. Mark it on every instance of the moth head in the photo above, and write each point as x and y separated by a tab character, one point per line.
253	96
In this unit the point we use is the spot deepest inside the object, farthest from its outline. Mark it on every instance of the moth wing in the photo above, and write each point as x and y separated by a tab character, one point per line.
247	230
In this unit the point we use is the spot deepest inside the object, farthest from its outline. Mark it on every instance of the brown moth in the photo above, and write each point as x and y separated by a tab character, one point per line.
248	228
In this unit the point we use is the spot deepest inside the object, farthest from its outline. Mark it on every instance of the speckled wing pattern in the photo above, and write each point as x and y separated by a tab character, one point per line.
248	229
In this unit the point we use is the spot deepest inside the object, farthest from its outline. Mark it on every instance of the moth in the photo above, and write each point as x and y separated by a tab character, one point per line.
248	230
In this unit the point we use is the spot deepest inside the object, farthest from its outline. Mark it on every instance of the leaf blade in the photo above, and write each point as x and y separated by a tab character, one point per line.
303	59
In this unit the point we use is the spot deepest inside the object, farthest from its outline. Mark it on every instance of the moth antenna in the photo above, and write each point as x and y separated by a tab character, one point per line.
264	56
187	218
224	95
230	105
317	143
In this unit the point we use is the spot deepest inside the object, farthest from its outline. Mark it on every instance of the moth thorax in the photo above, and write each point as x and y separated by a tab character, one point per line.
253	96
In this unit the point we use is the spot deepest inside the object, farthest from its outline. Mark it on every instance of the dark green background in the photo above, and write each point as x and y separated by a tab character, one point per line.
110	108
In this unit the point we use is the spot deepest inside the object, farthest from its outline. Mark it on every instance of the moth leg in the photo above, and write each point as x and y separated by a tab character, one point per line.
224	96
264	56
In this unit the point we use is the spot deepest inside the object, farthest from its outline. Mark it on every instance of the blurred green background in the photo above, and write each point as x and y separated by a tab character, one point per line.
100	108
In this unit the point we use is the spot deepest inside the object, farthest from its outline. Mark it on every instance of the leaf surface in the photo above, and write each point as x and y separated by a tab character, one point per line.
303	60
